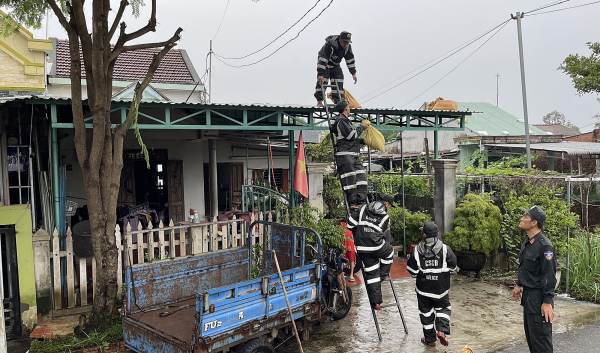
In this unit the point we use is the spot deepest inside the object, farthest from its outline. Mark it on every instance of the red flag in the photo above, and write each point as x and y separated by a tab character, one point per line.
300	181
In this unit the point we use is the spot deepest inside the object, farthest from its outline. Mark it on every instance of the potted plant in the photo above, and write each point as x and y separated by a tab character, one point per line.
475	231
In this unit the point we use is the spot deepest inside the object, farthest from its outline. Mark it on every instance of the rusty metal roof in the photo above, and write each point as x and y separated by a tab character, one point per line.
569	147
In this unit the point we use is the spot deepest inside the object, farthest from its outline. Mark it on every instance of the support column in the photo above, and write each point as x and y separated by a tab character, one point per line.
435	145
55	162
214	185
292	162
42	271
445	193
315	183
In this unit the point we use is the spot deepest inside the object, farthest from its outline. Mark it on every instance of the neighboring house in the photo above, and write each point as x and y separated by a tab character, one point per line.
22	72
174	80
557	129
592	136
486	120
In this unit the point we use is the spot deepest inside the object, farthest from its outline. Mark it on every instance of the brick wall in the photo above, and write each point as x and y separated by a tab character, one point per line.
593	136
12	74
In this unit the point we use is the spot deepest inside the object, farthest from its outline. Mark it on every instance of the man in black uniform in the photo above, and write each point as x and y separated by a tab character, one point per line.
537	279
367	225
336	48
431	263
348	140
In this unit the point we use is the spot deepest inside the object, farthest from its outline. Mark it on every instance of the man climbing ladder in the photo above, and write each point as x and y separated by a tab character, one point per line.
336	48
350	169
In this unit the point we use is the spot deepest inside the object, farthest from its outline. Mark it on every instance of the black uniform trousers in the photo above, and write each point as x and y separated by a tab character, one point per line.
375	270
537	330
334	74
434	311
353	177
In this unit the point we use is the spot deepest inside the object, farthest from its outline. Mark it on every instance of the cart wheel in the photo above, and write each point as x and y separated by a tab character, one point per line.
257	345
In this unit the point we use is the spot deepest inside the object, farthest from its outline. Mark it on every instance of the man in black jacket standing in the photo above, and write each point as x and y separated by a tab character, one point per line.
367	225
536	281
431	263
336	48
351	171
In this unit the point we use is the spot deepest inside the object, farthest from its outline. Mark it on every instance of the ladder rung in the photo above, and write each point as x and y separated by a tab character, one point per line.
389	305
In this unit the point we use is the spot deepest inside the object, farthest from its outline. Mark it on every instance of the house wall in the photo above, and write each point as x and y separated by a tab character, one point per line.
20	216
413	141
13	77
181	145
64	90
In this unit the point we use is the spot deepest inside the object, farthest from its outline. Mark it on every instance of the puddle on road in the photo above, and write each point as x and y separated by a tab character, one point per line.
483	316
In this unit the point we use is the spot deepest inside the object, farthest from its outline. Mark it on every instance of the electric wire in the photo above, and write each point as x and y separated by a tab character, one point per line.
281	47
222	18
546	6
565	8
273	41
460	63
451	53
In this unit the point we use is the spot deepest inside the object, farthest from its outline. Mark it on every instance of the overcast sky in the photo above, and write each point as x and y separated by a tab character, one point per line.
391	38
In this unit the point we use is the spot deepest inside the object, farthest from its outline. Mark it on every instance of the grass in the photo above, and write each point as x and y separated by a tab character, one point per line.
69	342
584	267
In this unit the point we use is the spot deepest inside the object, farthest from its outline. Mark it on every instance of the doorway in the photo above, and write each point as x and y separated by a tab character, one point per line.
10	282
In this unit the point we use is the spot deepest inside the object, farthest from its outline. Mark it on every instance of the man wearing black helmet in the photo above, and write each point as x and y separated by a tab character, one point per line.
536	281
348	140
336	48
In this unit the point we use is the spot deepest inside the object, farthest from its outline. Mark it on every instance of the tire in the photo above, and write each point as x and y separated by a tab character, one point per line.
256	345
343	309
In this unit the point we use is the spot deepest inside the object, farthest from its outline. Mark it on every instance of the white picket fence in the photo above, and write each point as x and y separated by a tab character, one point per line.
138	246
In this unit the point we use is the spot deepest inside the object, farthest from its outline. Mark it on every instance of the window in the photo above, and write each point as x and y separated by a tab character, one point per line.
17	153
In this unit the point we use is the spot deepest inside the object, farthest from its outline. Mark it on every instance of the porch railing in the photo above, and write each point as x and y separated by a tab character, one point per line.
262	200
73	291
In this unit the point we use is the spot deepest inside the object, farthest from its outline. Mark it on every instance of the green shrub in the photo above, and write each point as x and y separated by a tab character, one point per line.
584	267
333	197
476	226
331	234
414	221
557	216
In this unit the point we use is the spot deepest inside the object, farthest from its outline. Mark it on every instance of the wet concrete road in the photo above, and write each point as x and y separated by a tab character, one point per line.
483	317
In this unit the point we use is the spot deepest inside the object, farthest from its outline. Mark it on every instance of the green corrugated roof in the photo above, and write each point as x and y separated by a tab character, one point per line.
495	121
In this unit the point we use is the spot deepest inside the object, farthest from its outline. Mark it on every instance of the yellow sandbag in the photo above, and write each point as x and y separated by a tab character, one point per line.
442	104
349	98
374	139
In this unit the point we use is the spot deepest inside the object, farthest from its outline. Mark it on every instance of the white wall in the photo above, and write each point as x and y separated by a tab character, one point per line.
61	90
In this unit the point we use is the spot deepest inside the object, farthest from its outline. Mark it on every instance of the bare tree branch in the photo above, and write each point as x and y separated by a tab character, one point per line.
150	27
116	52
115	24
59	14
78	16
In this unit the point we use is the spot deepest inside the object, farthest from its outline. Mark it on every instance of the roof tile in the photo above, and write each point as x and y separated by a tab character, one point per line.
133	65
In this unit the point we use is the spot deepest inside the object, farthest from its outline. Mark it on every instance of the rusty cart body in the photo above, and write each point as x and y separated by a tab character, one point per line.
210	303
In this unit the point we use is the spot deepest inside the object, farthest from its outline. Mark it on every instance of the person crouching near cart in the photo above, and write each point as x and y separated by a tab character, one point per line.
431	263
350	254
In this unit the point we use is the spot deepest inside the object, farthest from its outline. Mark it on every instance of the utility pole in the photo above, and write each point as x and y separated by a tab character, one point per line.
210	73
523	89
497	89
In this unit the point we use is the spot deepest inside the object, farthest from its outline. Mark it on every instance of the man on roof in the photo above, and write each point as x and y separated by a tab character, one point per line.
336	48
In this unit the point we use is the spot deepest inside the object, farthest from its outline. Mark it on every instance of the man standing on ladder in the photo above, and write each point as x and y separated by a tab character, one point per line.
368	224
351	171
336	48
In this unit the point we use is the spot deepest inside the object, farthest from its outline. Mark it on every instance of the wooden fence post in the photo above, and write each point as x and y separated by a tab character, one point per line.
172	252
150	242
70	271
161	241
140	243
119	245
56	269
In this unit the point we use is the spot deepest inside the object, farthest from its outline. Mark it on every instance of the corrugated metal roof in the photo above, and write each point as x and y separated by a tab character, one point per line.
558	129
569	147
389	111
494	121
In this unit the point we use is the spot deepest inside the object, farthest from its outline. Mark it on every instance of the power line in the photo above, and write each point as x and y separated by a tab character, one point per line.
443	77
281	47
547	6
452	52
222	18
273	41
566	8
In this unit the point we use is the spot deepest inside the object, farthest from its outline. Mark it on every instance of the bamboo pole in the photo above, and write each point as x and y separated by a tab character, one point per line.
287	302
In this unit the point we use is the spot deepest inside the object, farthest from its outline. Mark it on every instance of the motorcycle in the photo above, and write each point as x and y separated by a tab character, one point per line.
337	297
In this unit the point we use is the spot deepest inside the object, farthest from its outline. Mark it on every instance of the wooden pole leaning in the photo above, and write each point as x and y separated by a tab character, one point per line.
288	302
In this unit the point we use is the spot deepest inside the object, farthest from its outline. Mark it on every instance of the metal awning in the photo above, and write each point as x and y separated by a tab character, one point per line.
199	116
569	147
